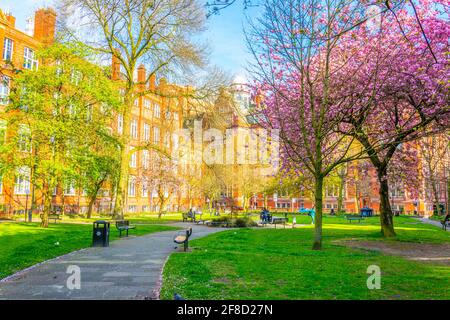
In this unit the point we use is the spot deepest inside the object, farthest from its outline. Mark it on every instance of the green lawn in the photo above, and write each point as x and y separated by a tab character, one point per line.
25	244
142	218
279	264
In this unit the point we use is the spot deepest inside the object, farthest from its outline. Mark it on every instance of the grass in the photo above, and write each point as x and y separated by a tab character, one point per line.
279	264
25	244
141	218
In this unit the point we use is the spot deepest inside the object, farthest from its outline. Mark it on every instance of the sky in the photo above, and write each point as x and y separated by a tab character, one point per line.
224	34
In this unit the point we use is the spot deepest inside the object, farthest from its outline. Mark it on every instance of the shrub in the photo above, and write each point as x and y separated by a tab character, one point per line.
244	223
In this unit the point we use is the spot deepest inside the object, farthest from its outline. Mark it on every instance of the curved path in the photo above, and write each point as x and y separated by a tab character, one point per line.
128	269
432	222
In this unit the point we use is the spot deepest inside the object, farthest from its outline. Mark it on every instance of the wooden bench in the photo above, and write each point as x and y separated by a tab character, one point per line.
200	214
54	216
187	216
182	237
123	225
353	217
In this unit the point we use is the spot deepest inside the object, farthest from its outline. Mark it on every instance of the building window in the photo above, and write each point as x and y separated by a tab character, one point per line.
132	209
131	186
133	159
156	135
89	113
24	139
145	159
396	192
8	47
144	190
122	95
76	77
134	129
69	189
4	91
167	139
72	110
175	116
2	131
22	182
332	191
157	111
146	132
147	104
120	124
29	61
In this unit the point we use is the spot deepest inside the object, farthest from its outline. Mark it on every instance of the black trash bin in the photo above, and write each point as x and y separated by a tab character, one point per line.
100	234
366	212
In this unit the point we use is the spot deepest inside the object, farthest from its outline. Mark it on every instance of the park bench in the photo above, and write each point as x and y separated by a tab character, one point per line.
279	220
199	219
353	217
187	216
123	225
54	216
445	224
182	237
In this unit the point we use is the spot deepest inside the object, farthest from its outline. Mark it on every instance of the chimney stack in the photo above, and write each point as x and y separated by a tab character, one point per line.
115	65
162	83
11	19
142	74
45	25
152	84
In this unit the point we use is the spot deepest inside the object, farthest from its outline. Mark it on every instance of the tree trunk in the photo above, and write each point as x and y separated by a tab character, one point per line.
162	204
318	202
245	204
46	211
91	205
122	186
435	196
340	199
447	198
210	205
386	216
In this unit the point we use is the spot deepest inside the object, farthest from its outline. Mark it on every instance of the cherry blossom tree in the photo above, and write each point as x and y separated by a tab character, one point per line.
336	81
298	58
408	88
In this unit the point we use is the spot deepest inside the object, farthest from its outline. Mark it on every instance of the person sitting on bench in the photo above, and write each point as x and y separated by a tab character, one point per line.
264	216
191	214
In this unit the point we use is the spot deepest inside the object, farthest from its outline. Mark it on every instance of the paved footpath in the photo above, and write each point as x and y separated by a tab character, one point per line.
128	269
432	222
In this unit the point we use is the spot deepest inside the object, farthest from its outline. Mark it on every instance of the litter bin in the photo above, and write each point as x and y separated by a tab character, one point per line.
100	234
366	212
